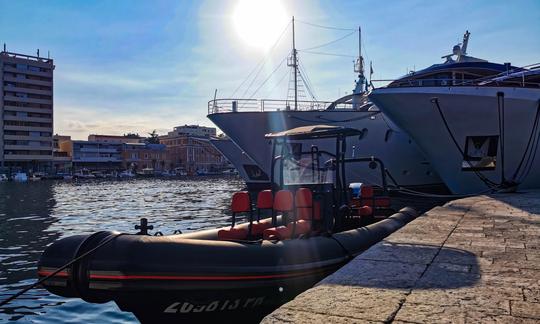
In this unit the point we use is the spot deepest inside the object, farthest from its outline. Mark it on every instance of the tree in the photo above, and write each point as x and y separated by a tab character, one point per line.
153	139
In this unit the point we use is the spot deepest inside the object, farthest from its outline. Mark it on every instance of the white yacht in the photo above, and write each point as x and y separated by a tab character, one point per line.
476	121
246	121
255	178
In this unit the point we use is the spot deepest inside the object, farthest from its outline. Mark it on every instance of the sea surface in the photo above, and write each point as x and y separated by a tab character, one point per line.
35	214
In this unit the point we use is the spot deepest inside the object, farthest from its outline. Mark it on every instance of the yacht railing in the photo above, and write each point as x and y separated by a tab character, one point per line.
512	78
261	105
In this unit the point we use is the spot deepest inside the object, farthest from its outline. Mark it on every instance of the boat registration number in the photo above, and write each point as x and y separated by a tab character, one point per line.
216	305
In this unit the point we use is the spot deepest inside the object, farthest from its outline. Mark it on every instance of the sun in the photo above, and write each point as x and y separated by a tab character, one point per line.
259	23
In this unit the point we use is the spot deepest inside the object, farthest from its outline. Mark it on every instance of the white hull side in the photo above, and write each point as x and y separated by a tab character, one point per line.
247	168
469	111
401	156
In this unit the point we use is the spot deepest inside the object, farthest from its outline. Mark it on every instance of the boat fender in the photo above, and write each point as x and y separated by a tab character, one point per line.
79	270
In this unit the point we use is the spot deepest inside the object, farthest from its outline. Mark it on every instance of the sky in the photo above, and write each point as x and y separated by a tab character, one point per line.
135	66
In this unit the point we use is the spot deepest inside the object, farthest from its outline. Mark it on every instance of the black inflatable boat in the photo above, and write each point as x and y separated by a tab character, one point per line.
246	270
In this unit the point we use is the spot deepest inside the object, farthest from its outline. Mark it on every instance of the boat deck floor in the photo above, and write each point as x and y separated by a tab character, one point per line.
473	260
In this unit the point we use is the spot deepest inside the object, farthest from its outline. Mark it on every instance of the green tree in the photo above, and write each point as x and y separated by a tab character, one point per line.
153	138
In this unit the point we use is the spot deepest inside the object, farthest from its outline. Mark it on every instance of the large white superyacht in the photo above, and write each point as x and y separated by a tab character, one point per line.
477	121
246	121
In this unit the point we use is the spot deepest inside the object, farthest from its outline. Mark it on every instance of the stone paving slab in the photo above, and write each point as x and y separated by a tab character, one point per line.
473	260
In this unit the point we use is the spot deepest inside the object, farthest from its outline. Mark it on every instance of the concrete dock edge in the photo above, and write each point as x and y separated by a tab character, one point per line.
473	260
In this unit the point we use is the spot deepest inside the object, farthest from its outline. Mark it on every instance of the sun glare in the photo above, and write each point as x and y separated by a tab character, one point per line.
259	23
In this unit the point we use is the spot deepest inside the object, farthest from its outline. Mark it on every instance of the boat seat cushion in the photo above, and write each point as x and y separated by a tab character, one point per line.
233	233
365	211
302	227
265	199
277	233
258	228
284	201
240	202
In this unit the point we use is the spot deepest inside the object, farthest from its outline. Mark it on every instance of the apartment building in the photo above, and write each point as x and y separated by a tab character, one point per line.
193	130
130	138
96	155
189	147
138	156
26	115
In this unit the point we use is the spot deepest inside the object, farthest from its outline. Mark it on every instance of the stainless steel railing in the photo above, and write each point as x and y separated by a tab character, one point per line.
261	105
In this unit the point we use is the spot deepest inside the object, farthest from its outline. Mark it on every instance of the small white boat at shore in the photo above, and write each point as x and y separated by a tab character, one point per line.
20	177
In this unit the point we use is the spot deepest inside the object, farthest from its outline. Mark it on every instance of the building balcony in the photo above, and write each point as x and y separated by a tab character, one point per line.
22	157
28	119
28	81
98	150
90	159
29	72
27	138
28	90
28	109
28	128
28	147
29	100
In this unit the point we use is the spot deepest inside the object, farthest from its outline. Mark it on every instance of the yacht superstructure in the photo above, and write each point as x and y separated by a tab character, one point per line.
476	121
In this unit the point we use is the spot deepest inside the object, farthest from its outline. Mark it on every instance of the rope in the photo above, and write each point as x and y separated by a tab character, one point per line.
328	54
261	63
39	282
322	26
329	43
268	78
486	181
531	136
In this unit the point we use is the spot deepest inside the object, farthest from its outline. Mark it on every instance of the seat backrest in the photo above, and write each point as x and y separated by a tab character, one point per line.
240	202
283	201
303	200
265	199
366	192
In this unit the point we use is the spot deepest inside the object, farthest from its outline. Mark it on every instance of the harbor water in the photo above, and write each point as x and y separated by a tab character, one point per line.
35	214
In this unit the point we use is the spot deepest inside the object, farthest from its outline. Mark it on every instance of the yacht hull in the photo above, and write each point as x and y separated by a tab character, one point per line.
472	115
255	178
380	138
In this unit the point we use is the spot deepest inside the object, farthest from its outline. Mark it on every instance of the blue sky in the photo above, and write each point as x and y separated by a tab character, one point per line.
135	66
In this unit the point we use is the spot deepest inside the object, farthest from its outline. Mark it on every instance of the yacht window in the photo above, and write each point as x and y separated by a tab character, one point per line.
480	153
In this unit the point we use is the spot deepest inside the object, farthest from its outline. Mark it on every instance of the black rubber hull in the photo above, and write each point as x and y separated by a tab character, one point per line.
194	277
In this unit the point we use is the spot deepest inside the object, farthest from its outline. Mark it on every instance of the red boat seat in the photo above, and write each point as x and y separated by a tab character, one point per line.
367	198
283	202
302	227
265	199
241	202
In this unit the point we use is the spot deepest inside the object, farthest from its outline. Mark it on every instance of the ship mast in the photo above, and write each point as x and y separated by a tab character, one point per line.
359	66
295	67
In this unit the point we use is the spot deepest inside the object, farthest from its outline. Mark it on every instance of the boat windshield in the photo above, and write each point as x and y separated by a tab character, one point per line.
307	171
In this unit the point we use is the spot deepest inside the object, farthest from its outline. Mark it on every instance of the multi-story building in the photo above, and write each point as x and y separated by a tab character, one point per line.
130	138
95	155
138	156
193	130
26	115
191	151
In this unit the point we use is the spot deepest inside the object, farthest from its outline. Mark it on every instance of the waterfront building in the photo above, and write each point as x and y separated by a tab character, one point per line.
129	138
189	148
193	130
26	111
94	155
61	157
138	156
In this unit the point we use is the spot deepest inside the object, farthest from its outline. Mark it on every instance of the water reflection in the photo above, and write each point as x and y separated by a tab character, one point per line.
33	215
